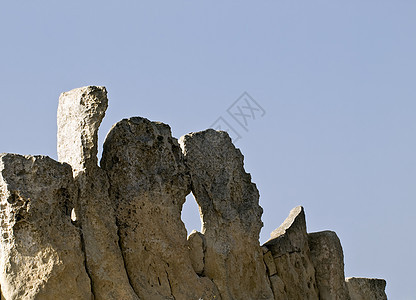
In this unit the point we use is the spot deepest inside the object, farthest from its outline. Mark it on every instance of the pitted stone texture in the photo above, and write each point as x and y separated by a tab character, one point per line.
41	252
80	113
328	259
231	215
289	247
196	246
366	288
149	183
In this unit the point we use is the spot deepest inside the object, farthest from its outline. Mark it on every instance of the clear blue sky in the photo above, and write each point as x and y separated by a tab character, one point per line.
336	79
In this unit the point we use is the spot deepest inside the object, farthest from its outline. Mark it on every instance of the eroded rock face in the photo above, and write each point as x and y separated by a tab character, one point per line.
328	259
41	254
231	215
149	183
366	288
128	240
80	113
288	244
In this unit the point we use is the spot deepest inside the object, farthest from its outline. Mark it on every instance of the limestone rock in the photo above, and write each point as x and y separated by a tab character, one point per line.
328	259
289	247
278	288
126	239
269	261
366	288
80	113
196	251
41	254
149	183
231	215
291	235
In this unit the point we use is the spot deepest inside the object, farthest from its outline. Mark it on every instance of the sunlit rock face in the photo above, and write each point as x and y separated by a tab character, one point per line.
231	215
76	230
149	183
41	254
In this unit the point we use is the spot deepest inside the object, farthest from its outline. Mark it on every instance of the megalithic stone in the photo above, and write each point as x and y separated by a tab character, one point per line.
366	288
328	259
231	215
41	254
80	113
149	183
295	272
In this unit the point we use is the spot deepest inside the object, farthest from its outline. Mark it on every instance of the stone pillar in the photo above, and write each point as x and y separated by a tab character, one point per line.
80	113
231	215
328	259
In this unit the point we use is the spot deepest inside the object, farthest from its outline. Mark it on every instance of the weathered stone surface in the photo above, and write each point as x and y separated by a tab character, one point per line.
41	254
278	288
149	183
291	235
328	259
289	247
196	246
366	288
231	215
127	239
80	113
270	265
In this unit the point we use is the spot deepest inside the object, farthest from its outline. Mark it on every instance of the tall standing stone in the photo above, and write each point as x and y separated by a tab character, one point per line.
80	113
328	259
231	215
40	249
149	183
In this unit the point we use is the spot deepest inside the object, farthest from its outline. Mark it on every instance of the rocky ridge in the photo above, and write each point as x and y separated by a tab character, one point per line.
75	230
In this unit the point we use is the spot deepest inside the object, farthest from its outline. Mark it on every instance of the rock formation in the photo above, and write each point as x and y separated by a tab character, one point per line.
328	260
295	272
76	230
41	255
366	288
149	183
80	113
231	215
